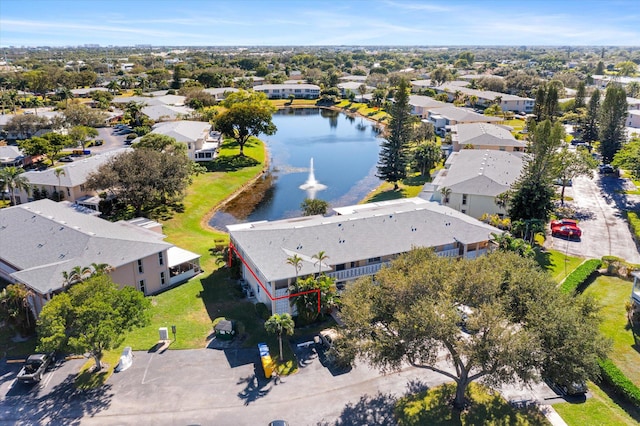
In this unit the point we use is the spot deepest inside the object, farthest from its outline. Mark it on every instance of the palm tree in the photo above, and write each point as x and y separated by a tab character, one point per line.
113	86
65	94
11	180
296	262
362	89
502	200
473	99
320	258
280	324
101	268
445	192
58	172
76	275
134	110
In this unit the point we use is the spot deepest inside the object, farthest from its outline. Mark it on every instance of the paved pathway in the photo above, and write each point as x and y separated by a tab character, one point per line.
599	203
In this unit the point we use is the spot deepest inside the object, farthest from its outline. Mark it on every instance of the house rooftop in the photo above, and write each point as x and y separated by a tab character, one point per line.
358	232
49	238
183	130
484	134
480	172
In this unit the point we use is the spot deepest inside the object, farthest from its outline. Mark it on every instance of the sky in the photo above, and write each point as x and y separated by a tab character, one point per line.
319	23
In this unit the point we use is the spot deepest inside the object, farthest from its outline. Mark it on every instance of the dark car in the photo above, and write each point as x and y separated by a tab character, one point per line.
34	368
66	159
278	423
570	388
606	169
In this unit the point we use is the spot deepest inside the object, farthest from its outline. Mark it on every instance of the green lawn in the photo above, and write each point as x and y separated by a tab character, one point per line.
600	409
409	187
613	293
558	264
487	408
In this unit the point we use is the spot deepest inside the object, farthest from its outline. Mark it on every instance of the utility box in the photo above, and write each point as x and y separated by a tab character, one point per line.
164	333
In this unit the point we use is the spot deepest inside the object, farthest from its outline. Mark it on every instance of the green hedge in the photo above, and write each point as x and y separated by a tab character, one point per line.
581	274
619	382
634	223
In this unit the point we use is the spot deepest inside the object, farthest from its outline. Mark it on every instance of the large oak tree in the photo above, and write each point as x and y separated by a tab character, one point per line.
247	114
91	317
499	318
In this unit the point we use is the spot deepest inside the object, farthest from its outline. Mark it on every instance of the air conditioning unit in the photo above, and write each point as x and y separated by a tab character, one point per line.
164	333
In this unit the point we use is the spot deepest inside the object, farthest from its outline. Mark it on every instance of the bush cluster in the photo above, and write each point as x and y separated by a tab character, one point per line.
619	382
581	274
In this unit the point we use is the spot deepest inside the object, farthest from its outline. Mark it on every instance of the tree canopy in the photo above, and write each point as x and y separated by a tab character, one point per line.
91	317
312	207
499	318
145	178
248	114
392	164
613	112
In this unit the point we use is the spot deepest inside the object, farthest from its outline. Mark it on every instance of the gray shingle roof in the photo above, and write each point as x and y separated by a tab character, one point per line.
74	173
183	130
373	231
463	115
485	134
481	172
425	102
44	238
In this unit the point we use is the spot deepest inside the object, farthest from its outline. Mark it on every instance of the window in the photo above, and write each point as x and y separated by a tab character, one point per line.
162	278
373	260
68	192
464	211
161	258
140	269
141	287
464	199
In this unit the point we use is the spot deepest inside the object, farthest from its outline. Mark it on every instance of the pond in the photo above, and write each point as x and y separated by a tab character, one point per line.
344	150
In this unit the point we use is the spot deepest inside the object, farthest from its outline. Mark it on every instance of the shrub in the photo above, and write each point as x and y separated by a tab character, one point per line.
634	223
581	274
619	382
262	311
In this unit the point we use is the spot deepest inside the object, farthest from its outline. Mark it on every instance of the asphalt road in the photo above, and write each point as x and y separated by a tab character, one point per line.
221	387
599	203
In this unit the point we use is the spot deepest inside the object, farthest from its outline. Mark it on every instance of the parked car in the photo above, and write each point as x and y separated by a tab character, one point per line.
560	222
98	142
568	231
279	423
34	368
606	169
570	389
66	159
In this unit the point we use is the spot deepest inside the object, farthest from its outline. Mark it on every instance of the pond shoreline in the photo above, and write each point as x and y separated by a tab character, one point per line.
252	182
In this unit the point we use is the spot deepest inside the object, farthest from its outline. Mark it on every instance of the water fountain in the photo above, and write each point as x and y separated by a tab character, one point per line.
312	185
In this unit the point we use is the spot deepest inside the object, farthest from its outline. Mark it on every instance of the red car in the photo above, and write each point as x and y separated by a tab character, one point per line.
566	231
561	222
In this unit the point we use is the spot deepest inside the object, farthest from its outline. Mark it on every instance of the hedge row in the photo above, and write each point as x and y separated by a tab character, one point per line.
581	274
619	382
634	223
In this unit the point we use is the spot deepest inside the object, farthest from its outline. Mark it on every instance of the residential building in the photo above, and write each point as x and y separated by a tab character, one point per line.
601	81
282	91
166	112
484	136
421	105
633	119
11	155
353	86
358	240
68	181
43	239
418	85
202	142
485	98
444	118
475	178
220	92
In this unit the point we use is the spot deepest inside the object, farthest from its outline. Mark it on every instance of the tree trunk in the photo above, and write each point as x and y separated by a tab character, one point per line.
98	366
461	387
562	195
280	341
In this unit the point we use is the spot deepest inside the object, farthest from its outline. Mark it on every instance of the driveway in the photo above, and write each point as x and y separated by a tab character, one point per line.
599	203
111	141
222	387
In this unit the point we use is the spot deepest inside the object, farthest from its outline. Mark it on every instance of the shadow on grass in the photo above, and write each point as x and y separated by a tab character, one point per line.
230	163
543	258
629	408
416	180
434	407
387	195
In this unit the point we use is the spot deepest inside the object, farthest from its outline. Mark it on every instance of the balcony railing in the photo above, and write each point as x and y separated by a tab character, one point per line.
353	273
